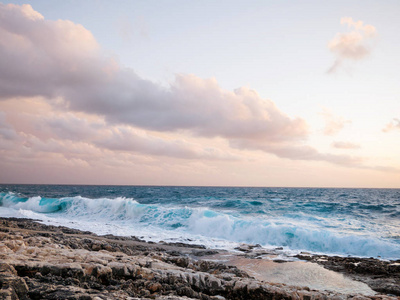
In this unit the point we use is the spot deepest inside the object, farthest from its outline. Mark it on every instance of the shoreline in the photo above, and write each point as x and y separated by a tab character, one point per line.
48	262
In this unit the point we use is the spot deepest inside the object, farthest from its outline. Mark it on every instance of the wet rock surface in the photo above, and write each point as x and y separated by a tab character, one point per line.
48	262
382	276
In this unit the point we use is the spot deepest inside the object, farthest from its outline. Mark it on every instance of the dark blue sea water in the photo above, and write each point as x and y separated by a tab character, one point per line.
357	222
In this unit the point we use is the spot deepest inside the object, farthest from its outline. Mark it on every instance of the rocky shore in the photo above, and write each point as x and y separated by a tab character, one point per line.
47	262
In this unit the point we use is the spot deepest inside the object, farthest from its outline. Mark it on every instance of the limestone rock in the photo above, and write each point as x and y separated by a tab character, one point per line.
48	262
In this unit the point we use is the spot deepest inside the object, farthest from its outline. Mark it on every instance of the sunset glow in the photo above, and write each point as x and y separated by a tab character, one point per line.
258	93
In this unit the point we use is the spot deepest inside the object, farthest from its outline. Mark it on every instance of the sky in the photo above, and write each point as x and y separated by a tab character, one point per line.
205	93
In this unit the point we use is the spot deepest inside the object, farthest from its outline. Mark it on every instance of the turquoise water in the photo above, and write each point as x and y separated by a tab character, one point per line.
357	222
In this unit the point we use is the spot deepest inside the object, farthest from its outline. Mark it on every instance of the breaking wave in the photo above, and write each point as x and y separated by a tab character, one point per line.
125	216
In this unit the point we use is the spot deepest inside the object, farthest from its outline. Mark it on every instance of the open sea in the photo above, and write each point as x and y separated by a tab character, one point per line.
355	222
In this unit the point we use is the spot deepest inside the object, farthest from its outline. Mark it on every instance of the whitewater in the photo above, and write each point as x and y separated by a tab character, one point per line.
347	222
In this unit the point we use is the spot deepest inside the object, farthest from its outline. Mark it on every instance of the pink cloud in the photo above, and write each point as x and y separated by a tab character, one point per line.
126	139
300	152
70	134
393	125
345	145
61	62
333	124
61	59
352	45
7	132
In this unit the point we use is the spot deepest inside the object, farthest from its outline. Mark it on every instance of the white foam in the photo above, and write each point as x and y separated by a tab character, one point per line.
125	216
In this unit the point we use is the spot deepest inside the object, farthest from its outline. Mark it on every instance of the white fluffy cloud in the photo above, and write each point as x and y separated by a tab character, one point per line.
353	45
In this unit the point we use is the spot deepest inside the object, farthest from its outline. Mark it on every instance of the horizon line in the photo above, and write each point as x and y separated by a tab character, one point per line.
201	186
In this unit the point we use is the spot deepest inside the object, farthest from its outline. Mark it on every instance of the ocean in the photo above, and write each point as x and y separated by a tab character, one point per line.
346	222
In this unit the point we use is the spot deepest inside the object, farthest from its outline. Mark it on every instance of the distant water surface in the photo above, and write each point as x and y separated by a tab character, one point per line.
357	222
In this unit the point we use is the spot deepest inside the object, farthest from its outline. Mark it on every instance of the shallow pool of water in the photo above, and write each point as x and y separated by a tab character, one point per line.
298	273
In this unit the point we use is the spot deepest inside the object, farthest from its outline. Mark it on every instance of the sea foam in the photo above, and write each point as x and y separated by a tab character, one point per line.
198	224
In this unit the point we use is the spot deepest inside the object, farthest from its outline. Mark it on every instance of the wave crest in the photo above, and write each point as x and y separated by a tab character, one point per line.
192	223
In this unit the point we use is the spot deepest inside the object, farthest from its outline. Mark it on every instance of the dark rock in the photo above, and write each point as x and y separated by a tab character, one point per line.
186	291
180	261
174	253
204	252
186	245
154	287
280	261
12	286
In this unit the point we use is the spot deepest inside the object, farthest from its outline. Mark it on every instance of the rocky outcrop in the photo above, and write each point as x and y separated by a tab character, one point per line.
40	262
382	276
12	286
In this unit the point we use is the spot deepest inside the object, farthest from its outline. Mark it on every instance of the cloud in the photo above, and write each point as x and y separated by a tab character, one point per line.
63	132
43	57
65	62
128	140
300	152
393	125
352	45
345	145
333	124
68	126
61	62
60	59
6	130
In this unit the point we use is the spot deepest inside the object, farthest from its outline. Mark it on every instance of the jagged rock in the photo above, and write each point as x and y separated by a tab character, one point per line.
179	261
40	262
11	286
